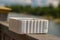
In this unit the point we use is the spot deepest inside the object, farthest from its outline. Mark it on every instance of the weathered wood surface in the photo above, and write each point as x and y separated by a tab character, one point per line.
12	35
44	36
5	23
16	36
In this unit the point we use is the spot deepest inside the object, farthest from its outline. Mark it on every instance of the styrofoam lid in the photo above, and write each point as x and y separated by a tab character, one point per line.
27	18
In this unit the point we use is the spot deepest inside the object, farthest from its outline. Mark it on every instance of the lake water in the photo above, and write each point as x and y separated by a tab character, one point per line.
54	28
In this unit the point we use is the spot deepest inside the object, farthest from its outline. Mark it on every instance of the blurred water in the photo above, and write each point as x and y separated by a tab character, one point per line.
54	28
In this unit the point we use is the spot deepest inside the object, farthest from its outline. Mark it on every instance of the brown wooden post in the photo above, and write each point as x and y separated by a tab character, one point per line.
2	35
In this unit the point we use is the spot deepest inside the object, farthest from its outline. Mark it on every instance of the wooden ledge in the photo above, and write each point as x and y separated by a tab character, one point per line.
27	36
5	23
44	36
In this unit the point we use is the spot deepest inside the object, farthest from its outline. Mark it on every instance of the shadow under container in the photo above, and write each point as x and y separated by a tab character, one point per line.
4	13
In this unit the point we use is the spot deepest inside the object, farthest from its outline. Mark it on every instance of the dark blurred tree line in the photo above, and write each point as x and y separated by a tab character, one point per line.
39	11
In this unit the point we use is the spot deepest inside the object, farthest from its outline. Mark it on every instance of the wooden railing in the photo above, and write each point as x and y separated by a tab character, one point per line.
4	36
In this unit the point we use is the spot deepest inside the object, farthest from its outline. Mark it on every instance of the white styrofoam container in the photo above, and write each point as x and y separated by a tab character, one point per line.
28	25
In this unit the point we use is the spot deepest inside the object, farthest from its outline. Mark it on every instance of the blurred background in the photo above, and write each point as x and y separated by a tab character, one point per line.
48	9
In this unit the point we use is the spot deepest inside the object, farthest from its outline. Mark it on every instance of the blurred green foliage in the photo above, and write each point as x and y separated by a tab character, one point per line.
39	11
